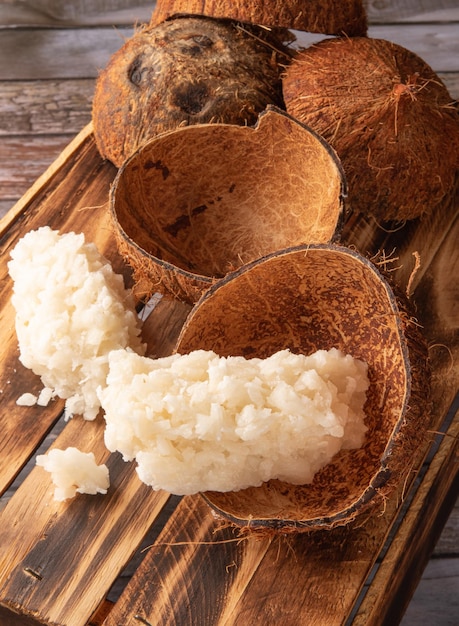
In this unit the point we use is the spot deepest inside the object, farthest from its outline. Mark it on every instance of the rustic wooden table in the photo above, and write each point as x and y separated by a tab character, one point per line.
67	564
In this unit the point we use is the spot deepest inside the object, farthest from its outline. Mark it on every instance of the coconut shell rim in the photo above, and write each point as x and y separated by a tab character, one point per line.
383	474
355	31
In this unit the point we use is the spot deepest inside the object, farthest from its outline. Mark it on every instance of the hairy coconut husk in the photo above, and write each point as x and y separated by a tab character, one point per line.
328	17
305	299
200	201
187	71
389	117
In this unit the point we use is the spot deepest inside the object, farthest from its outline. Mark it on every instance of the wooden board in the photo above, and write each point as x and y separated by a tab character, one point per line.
59	560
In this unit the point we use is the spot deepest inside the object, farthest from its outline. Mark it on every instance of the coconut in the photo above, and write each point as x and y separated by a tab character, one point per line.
316	16
389	117
200	201
311	298
186	71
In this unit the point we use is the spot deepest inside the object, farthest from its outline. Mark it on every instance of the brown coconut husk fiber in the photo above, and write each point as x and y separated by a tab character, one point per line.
305	299
389	117
187	71
198	202
328	17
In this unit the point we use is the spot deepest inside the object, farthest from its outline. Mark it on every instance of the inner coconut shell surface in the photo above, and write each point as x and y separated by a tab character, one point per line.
198	202
306	299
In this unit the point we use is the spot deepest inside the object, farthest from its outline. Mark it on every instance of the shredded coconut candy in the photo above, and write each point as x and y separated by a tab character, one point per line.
72	309
74	471
202	422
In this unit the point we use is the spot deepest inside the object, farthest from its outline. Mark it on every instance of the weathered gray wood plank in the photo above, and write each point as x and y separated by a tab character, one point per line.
80	53
61	12
436	601
45	107
24	158
437	44
38	54
448	544
411	10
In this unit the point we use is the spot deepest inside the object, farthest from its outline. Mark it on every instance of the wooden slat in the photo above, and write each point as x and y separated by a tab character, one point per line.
451	81
448	544
397	576
5	206
69	553
411	10
437	44
436	600
81	53
52	107
33	54
247	579
24	158
36	190
98	13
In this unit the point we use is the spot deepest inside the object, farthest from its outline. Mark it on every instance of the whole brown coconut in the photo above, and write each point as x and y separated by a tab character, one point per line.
389	117
347	17
195	203
186	71
305	299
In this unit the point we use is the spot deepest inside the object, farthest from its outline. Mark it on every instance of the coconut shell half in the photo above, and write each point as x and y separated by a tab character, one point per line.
198	202
187	71
389	117
306	299
328	17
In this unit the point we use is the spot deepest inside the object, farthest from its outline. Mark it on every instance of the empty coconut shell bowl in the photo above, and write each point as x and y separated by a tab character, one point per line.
193	204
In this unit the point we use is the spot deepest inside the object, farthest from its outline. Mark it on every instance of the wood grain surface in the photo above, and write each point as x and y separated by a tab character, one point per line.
73	560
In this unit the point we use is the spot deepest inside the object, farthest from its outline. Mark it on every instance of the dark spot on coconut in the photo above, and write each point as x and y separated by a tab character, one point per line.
232	188
136	71
157	165
183	221
191	98
197	45
203	41
180	223
192	51
198	209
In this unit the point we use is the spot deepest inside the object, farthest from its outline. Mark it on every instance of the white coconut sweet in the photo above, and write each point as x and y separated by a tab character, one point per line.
199	422
73	471
72	309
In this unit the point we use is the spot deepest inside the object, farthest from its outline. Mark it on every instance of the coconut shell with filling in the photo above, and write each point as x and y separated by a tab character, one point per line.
318	297
389	117
328	17
195	203
186	71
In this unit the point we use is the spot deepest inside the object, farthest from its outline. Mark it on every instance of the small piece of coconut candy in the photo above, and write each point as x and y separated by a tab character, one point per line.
74	471
27	399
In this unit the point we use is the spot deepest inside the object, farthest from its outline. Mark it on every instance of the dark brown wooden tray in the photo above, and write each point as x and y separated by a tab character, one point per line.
58	561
